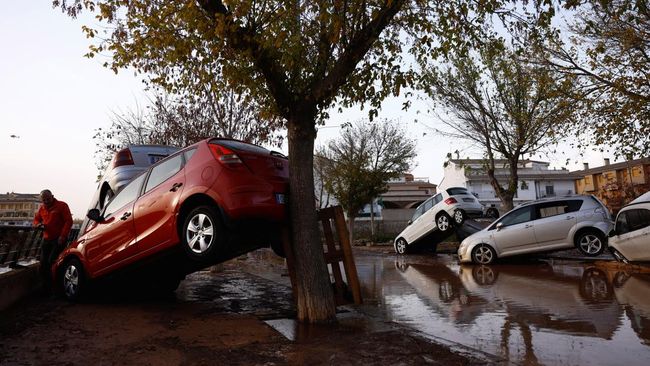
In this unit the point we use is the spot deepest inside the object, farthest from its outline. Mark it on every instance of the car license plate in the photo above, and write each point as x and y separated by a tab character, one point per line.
468	200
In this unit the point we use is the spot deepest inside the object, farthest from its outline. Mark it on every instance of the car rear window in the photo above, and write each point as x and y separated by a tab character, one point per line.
242	146
457	191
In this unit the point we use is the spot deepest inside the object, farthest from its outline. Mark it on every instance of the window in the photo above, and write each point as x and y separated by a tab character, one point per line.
437	198
418	212
241	146
127	194
632	220
163	171
519	216
428	204
550	191
456	191
188	154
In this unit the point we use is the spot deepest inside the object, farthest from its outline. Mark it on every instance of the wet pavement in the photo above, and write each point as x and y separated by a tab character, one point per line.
525	311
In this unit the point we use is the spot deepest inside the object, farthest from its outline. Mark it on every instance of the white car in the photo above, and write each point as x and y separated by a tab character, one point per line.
542	225
440	212
630	239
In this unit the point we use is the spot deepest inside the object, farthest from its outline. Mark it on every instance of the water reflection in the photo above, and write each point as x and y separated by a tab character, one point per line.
532	313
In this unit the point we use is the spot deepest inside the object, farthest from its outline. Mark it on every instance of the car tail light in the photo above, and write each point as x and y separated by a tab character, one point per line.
450	201
225	155
123	157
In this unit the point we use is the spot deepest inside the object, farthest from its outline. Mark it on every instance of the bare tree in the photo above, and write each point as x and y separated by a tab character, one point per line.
357	166
179	121
503	106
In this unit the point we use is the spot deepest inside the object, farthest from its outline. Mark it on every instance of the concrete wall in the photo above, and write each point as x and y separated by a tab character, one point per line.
18	283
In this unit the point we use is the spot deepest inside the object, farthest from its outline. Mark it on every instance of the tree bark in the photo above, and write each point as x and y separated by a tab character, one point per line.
315	299
372	218
351	228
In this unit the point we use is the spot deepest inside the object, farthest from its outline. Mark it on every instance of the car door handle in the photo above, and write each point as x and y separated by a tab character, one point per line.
528	226
570	217
175	187
125	216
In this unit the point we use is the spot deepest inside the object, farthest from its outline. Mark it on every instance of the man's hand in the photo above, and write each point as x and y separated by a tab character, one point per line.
39	226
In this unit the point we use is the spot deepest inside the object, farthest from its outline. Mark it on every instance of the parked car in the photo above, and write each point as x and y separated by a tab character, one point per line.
542	225
207	203
440	212
630	239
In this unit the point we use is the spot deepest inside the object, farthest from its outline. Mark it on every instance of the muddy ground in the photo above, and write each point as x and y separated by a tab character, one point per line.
214	318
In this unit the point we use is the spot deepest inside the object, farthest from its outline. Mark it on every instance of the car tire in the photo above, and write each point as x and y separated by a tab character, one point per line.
492	213
483	254
203	234
459	217
401	246
73	280
590	243
443	222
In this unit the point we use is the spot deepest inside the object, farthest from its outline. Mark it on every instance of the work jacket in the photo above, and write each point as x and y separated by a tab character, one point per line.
56	218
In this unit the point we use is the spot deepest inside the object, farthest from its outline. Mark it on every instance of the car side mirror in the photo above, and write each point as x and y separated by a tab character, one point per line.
409	223
612	233
95	215
499	226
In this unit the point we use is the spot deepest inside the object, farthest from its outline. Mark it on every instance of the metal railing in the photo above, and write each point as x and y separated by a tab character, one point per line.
23	244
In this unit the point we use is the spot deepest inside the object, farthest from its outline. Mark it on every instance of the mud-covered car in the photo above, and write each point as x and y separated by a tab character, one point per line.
207	203
559	223
630	238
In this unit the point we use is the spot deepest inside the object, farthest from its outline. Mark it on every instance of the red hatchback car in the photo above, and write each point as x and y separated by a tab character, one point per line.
205	204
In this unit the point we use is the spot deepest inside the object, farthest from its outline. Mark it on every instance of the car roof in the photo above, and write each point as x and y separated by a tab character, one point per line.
556	198
642	198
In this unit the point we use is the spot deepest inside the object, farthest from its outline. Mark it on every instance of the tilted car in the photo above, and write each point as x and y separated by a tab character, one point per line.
207	203
544	225
630	239
440	212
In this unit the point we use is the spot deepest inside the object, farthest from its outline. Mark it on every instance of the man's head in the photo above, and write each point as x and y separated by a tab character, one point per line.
46	197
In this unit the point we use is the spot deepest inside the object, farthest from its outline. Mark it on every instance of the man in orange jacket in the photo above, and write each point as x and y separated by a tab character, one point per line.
55	218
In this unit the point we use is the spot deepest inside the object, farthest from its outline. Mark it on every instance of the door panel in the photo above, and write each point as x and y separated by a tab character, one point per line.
155	213
111	241
517	232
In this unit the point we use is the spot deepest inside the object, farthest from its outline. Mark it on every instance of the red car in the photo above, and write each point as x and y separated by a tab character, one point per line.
205	204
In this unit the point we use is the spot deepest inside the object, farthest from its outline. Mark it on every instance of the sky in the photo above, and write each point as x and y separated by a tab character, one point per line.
54	99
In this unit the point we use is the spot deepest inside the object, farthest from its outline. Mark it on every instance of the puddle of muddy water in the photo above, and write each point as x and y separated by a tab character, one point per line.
529	313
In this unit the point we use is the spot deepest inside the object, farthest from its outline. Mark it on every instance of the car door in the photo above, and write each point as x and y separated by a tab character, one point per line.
155	210
633	229
416	227
113	239
554	221
515	231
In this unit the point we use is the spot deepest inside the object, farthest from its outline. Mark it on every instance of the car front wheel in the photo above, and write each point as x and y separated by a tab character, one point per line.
400	246
73	281
590	243
443	222
483	254
459	217
202	234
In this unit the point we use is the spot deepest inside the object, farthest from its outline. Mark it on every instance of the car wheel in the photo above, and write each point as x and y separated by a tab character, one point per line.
483	254
590	243
401	246
443	222
202	234
73	280
492	213
459	217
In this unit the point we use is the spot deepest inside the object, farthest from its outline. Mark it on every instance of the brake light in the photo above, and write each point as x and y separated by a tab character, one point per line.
450	200
123	157
225	155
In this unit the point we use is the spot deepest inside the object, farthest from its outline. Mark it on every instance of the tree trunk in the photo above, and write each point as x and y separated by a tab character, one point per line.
315	299
372	219
351	228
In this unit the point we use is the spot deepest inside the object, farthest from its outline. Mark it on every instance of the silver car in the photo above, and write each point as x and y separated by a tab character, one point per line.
544	225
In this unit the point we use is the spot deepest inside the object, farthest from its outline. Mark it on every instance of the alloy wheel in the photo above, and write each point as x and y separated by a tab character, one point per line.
483	254
200	233
590	244
443	222
400	246
71	281
459	217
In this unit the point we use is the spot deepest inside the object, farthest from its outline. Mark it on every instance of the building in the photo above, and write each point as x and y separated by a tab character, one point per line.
615	184
536	180
407	192
18	208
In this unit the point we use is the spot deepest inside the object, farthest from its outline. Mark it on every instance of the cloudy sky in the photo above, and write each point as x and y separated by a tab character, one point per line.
53	99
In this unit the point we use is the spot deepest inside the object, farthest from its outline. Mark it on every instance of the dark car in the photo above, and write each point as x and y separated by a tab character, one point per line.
207	203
